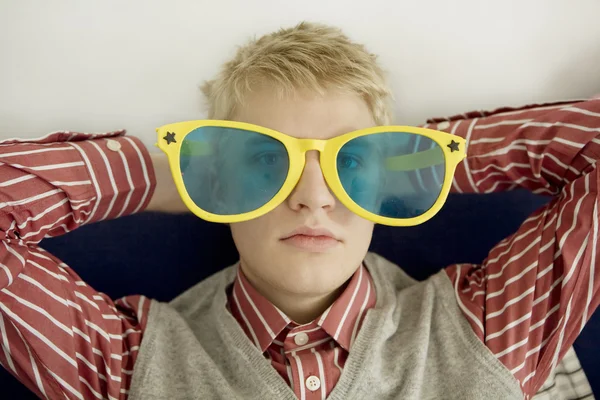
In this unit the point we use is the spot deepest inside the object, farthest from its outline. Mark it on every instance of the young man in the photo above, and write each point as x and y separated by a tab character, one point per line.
307	312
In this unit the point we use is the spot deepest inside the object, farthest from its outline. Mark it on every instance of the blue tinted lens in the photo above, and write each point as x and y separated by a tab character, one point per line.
229	171
392	174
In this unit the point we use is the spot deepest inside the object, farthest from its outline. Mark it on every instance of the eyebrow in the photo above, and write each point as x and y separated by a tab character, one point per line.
262	139
340	132
362	144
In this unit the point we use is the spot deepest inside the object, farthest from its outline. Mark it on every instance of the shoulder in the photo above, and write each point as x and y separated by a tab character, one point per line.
398	292
201	296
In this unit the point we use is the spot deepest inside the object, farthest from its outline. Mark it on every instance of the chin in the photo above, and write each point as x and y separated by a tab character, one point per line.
314	281
313	259
321	266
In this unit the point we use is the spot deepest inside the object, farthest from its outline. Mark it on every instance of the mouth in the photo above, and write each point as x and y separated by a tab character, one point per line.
315	240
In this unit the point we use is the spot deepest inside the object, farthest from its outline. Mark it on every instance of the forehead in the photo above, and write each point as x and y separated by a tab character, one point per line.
306	114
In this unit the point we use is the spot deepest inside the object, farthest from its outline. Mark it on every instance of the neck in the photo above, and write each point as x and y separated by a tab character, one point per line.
300	308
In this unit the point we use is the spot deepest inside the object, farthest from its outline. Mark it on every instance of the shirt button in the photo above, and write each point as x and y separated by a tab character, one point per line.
313	383
443	125
301	339
113	145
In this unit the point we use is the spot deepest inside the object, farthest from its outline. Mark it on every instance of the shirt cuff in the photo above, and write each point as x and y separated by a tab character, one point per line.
121	173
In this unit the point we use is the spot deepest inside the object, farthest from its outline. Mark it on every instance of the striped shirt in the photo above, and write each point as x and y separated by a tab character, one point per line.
527	301
316	351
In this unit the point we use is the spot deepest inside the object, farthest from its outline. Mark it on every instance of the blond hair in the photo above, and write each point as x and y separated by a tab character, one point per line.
307	56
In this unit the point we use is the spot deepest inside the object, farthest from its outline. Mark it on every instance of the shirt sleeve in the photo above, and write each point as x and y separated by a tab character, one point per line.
59	336
537	288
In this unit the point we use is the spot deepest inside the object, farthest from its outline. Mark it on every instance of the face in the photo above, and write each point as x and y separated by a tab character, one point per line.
303	265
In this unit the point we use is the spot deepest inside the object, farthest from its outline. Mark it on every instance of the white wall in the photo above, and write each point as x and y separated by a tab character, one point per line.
103	65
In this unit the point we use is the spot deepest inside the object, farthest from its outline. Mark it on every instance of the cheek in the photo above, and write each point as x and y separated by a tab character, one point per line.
350	220
256	232
359	231
245	234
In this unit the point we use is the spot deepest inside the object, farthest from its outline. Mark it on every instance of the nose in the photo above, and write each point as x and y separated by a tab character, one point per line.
311	192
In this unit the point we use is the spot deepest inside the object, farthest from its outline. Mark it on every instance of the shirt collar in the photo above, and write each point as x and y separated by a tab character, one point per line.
263	322
259	318
343	318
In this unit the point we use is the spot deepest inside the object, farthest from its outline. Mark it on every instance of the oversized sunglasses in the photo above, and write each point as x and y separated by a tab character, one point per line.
227	171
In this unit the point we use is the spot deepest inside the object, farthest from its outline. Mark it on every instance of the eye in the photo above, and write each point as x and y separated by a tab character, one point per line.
347	161
268	158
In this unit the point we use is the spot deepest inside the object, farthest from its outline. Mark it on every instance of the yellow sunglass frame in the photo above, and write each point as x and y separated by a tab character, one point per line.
170	138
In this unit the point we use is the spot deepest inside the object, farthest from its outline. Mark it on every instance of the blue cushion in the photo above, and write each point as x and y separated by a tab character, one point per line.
161	255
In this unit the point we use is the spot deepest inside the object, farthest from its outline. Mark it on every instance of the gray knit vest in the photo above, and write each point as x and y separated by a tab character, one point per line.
414	344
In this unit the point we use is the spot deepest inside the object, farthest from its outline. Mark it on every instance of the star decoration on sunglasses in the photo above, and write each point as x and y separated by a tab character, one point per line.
453	146
170	138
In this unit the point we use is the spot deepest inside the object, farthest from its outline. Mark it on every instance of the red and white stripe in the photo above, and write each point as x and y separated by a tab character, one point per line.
58	336
330	336
537	289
